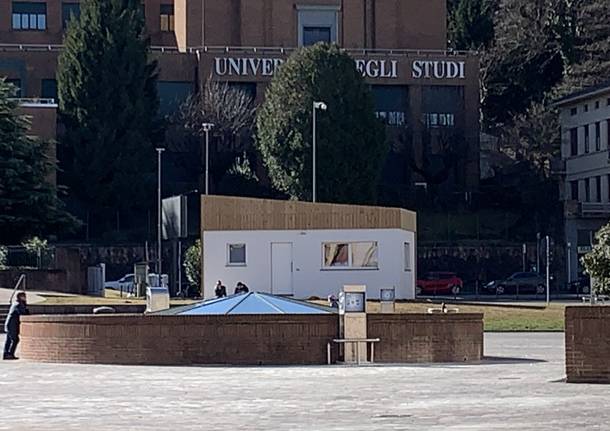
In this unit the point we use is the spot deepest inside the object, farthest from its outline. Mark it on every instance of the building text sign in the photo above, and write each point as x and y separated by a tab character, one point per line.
370	68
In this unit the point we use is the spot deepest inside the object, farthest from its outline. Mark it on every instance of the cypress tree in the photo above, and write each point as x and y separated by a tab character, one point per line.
28	200
351	146
109	106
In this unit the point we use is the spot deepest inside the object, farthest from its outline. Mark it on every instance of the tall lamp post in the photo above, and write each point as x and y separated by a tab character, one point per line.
207	127
321	106
159	210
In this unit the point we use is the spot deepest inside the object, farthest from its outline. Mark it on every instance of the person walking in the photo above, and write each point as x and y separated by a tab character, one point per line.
12	325
220	291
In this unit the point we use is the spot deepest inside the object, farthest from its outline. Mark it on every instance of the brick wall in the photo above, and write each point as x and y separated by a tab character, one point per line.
427	337
178	340
587	334
36	279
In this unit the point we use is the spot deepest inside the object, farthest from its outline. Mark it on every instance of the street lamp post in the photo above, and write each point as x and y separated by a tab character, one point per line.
159	210
207	127
321	106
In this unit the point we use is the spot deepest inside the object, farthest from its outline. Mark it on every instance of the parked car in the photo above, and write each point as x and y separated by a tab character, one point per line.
519	282
126	283
439	283
582	285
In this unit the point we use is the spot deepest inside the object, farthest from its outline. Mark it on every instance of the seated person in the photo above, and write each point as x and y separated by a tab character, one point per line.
220	291
241	288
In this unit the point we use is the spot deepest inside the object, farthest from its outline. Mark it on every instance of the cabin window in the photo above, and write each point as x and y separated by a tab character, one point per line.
236	254
407	256
350	255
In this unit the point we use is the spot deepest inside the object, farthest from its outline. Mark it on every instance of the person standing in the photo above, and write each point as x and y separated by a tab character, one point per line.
12	325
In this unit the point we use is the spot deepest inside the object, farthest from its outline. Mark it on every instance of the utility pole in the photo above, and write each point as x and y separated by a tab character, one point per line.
207	127
322	106
538	252
159	213
548	270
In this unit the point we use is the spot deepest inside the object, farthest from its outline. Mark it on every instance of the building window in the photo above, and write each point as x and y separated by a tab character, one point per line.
598	137
586	108
167	17
587	191
574	190
317	24
48	89
29	16
586	138
573	111
407	249
597	105
352	255
313	35
69	11
598	189
608	101
574	142
433	120
17	84
236	254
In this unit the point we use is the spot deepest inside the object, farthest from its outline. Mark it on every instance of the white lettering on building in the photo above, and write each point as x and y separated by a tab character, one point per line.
423	69
378	68
246	66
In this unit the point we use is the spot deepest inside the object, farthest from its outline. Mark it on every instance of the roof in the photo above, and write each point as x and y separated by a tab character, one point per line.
585	93
250	303
227	213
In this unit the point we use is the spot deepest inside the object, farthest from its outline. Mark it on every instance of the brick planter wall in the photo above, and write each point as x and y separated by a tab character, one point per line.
178	340
427	337
587	334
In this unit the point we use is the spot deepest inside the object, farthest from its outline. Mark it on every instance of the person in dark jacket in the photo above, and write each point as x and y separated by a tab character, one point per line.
11	326
241	288
220	291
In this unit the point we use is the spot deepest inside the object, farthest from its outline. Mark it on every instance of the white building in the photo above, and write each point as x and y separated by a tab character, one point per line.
585	168
304	249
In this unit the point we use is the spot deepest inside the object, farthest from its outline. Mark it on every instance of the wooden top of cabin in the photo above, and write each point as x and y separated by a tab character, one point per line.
226	213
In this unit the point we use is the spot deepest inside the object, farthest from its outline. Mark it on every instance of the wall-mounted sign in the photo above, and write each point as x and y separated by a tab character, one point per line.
378	68
369	68
424	69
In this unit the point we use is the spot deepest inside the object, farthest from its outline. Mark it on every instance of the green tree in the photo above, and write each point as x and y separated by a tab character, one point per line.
192	265
586	44
525	61
28	201
351	144
108	103
471	24
597	261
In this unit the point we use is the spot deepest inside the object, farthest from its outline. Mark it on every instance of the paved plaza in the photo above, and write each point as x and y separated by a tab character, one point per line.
519	387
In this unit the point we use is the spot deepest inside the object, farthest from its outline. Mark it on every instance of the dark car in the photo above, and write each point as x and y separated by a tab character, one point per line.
439	283
519	282
582	285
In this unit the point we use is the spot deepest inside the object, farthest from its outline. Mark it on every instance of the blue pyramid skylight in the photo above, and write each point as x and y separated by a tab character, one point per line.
250	303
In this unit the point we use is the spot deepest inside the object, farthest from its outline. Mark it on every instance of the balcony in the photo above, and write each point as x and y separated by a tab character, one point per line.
591	209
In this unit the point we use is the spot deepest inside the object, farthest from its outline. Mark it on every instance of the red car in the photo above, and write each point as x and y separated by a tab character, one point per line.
439	283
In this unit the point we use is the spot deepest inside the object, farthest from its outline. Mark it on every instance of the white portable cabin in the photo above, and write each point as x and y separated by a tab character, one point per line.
304	249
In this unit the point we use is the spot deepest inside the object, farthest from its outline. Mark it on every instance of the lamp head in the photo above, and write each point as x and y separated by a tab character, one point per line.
320	105
207	127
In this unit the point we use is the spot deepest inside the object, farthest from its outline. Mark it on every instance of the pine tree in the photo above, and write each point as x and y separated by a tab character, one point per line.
109	105
590	35
28	201
471	24
351	146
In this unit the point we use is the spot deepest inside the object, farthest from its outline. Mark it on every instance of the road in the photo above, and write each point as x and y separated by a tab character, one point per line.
519	387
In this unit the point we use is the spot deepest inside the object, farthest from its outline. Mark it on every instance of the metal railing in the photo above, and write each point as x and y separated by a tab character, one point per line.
277	50
354	342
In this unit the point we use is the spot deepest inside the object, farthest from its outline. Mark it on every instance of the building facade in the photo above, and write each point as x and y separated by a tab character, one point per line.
304	250
427	95
585	185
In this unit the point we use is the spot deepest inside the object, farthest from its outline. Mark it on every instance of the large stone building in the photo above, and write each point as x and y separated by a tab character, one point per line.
428	95
585	186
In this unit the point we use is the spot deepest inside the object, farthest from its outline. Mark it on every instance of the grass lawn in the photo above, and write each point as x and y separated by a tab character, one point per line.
497	318
112	298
